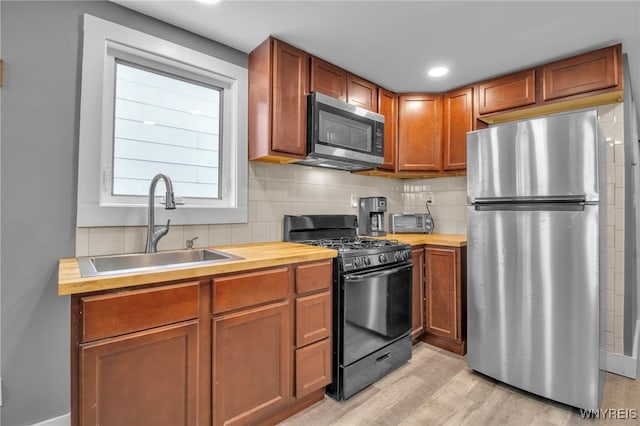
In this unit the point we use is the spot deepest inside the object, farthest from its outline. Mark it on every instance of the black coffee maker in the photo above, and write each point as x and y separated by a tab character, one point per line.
371	216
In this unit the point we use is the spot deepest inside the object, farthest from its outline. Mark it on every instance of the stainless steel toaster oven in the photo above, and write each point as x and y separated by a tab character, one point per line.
416	223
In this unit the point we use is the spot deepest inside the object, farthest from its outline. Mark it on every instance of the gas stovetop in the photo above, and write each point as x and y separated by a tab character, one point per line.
339	232
361	253
351	243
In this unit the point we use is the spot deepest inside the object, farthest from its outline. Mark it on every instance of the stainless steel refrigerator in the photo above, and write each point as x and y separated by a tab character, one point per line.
535	255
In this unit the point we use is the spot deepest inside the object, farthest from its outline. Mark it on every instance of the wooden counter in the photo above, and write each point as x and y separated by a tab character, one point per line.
255	256
448	240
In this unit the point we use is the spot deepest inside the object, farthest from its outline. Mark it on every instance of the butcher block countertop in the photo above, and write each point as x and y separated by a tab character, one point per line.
255	256
450	240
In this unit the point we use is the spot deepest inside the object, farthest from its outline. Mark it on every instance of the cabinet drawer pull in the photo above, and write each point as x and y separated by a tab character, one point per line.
383	357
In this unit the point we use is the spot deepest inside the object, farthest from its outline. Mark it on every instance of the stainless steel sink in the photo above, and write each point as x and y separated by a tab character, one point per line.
92	266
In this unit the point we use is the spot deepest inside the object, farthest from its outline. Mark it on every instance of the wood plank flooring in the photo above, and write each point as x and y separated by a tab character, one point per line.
437	388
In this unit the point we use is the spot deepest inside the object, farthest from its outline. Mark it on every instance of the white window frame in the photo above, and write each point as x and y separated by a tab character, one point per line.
103	42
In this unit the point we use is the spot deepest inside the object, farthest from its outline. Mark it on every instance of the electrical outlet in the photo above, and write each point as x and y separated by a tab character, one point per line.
354	200
430	199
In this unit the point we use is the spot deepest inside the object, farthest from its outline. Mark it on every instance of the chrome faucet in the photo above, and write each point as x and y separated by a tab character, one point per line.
154	236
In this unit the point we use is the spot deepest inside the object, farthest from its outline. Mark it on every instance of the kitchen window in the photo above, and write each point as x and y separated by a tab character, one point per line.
150	106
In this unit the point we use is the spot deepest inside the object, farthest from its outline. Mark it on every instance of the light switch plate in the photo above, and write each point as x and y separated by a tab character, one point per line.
354	200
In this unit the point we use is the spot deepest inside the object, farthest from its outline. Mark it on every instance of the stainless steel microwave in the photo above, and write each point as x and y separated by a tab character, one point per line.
342	136
414	223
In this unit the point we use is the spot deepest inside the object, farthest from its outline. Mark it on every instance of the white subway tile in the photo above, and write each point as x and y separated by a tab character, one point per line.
107	240
257	190
609	341
241	233
619	345
82	242
219	235
619	241
260	232
619	290
610	323
275	231
618	330
135	239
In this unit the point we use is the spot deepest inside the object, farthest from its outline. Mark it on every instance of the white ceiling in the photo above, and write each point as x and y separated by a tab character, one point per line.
393	43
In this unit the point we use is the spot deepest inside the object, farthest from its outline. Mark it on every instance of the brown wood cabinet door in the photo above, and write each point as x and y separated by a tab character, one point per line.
147	378
388	106
511	91
592	71
362	93
419	132
313	367
417	305
251	364
313	318
442	298
290	89
328	79
457	121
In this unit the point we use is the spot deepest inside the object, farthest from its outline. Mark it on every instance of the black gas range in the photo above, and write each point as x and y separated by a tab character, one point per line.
371	299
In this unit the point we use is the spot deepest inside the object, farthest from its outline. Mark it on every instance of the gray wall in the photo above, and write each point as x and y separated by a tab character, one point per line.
41	48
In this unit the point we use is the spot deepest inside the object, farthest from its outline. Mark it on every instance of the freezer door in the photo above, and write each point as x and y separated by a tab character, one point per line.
533	301
551	156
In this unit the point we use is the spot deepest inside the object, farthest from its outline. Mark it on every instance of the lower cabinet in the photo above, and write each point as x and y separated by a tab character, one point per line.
148	377
251	364
242	348
442	320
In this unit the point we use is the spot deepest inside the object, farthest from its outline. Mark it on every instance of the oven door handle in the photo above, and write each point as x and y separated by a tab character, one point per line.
377	274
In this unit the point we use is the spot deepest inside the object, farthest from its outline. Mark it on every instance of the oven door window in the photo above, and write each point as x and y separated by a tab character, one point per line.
377	310
344	132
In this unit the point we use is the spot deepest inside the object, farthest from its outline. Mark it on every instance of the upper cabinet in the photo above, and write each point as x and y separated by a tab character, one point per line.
278	88
419	130
511	91
593	71
336	82
425	134
328	79
362	93
388	106
457	120
590	79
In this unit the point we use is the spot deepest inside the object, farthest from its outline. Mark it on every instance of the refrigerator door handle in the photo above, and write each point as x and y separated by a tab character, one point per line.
530	200
568	207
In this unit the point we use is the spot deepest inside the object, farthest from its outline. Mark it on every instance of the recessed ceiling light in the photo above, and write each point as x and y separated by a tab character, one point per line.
438	71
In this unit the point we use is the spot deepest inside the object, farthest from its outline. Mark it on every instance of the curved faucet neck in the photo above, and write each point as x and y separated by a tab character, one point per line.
152	235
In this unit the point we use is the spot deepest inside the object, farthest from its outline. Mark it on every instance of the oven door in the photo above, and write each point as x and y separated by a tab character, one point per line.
377	309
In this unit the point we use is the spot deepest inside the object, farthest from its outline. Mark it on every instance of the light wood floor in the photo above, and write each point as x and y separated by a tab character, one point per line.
437	388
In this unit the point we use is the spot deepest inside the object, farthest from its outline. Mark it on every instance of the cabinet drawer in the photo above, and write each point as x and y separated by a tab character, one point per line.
115	314
313	318
254	288
511	91
313	367
314	276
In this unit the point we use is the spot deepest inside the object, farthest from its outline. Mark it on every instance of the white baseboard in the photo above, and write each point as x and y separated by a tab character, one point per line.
623	365
64	420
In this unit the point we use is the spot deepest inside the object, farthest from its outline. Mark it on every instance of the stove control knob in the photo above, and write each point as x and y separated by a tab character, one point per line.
356	262
366	260
383	258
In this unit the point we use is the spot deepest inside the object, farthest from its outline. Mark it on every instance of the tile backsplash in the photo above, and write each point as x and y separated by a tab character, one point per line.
276	190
